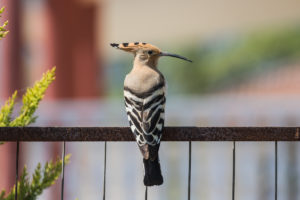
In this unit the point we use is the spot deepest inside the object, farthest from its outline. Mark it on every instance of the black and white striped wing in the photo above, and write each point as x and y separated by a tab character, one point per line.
146	115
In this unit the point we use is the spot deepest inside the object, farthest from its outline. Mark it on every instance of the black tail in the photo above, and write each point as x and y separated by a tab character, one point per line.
152	173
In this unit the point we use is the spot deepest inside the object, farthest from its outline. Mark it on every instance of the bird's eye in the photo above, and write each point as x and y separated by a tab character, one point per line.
150	52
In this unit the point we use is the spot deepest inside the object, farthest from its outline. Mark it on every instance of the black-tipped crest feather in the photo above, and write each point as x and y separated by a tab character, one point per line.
115	45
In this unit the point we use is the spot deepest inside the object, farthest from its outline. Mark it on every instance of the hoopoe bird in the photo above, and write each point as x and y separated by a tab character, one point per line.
144	92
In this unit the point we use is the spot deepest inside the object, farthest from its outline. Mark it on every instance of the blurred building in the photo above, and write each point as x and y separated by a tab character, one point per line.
45	34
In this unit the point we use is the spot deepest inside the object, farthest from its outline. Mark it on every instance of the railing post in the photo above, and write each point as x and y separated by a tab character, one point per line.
190	167
104	171
17	171
146	193
233	171
276	168
63	171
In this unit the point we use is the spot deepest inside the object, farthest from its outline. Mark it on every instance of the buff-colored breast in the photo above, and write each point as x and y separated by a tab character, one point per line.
143	78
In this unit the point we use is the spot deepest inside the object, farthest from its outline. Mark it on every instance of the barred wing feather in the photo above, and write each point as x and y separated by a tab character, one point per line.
146	115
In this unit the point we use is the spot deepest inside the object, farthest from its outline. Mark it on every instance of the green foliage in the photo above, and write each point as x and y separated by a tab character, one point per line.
6	111
3	31
31	100
225	62
41	179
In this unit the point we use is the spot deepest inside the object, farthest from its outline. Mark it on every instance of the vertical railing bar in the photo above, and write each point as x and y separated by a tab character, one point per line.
190	167
276	168
17	171
233	171
146	193
63	171
104	171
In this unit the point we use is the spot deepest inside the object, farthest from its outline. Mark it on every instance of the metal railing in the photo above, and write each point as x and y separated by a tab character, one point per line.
187	134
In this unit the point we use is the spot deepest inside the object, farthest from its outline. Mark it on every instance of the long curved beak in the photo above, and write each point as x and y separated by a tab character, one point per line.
175	56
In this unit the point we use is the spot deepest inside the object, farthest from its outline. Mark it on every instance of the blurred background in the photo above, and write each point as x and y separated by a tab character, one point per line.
246	72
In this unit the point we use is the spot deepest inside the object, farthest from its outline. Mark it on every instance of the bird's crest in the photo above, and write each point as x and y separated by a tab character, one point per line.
134	46
150	49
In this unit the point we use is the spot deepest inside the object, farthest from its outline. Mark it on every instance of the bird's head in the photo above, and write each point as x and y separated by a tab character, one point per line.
145	53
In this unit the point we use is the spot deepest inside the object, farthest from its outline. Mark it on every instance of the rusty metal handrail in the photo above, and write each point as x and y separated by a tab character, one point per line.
170	134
